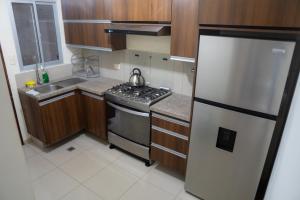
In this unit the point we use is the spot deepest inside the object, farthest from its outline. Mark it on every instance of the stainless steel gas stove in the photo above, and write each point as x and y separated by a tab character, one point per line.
139	98
128	116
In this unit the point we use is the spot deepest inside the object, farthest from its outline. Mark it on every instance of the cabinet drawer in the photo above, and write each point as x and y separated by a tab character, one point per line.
170	140
174	125
168	159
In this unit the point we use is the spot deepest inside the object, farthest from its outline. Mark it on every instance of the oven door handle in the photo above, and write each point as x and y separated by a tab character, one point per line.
143	114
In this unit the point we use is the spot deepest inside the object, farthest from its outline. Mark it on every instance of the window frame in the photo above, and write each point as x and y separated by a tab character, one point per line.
34	3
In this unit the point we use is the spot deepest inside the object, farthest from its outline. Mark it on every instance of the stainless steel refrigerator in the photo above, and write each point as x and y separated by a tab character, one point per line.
239	88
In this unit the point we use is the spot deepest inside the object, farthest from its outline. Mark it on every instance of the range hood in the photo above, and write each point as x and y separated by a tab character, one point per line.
139	29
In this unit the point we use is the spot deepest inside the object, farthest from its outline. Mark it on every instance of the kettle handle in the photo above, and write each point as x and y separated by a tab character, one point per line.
136	69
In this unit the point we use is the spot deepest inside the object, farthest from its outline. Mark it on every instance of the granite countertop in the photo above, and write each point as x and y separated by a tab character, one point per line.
93	85
175	105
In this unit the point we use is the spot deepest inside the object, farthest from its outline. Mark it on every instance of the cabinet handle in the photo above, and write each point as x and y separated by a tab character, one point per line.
183	59
128	110
169	150
177	135
43	103
92	96
185	124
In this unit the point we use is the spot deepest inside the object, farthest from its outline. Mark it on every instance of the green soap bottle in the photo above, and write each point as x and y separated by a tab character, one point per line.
45	76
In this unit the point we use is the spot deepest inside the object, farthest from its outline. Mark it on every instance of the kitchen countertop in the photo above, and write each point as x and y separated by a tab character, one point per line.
93	85
175	105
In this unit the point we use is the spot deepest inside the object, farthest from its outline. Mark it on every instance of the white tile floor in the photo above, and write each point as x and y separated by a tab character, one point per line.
94	172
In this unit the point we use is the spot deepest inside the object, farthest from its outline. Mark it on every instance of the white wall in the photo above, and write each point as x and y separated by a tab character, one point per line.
285	178
14	178
157	72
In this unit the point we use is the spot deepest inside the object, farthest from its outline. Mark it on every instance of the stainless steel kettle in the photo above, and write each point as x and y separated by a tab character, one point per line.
136	78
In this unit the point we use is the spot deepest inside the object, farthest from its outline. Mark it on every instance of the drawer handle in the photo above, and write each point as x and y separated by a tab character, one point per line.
185	124
43	103
177	135
92	96
168	150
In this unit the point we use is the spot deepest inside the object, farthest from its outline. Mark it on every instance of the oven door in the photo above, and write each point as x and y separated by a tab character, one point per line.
129	123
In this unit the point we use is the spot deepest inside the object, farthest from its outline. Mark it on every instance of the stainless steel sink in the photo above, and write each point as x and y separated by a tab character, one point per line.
47	88
69	82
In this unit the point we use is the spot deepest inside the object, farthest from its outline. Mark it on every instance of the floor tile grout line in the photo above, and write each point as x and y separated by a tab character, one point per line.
110	163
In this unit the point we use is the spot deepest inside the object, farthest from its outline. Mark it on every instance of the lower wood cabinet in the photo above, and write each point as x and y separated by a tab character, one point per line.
94	108
169	142
54	119
61	117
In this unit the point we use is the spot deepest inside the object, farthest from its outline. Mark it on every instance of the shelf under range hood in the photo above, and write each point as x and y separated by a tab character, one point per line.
139	29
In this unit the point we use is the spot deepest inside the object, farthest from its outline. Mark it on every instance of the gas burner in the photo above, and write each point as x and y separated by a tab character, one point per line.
137	97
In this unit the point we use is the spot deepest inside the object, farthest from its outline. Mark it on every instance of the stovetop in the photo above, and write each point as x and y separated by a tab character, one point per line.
137	97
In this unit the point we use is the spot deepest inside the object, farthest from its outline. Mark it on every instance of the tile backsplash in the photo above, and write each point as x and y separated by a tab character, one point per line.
157	69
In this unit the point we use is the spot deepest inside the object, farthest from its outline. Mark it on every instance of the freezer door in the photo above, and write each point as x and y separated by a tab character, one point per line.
227	153
246	73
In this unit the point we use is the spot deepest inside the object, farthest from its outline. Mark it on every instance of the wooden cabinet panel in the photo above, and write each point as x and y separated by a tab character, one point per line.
171	126
60	117
95	115
170	142
138	10
119	10
86	9
267	13
89	34
169	160
32	117
184	33
160	10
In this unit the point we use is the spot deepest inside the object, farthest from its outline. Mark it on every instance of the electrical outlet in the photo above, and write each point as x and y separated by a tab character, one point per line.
117	66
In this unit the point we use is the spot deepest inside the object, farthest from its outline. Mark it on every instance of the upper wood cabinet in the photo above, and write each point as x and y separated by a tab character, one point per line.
267	13
86	9
93	35
118	10
184	32
141	10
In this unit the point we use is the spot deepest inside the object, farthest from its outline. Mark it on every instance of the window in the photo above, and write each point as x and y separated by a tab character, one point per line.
37	33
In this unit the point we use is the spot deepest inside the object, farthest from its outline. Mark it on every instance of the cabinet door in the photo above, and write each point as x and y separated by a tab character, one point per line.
119	10
61	117
184	32
93	35
85	9
269	13
95	114
87	34
160	10
138	10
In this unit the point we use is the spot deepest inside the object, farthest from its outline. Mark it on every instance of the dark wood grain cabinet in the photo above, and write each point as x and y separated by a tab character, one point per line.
117	10
265	13
86	9
93	35
149	10
94	114
52	120
169	142
61	117
185	29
